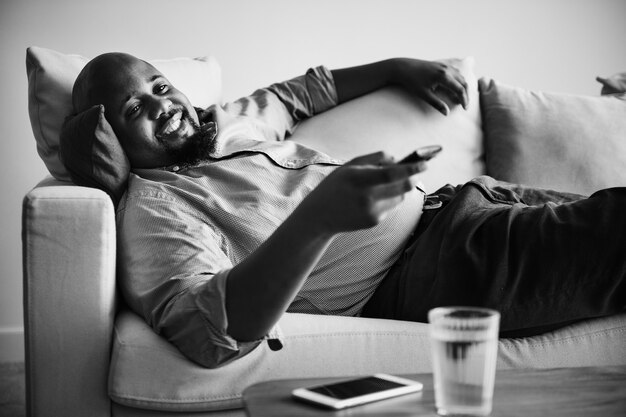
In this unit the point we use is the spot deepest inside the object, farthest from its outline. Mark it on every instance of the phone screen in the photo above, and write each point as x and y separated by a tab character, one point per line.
355	387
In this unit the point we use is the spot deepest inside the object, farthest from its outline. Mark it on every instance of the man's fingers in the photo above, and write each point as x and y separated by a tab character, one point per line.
384	206
453	84
393	190
465	92
457	88
376	158
434	100
392	173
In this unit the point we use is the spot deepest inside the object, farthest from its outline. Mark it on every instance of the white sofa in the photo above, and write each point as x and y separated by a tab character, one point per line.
87	354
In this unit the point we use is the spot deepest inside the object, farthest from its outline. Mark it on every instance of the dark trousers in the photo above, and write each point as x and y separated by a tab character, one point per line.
542	258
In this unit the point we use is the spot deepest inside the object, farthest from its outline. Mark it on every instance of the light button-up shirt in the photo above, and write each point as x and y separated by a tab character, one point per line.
182	230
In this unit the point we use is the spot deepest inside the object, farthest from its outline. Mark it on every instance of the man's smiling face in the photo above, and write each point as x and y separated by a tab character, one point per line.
151	118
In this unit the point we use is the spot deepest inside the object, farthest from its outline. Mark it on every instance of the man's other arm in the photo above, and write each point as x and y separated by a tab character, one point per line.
424	79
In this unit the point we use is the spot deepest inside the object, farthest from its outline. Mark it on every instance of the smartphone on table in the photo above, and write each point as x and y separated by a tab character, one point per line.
424	153
353	392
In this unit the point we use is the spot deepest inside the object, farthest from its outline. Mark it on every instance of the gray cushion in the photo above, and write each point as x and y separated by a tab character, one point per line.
556	141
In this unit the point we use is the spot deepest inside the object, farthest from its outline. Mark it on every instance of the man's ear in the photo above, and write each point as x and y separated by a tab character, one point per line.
92	153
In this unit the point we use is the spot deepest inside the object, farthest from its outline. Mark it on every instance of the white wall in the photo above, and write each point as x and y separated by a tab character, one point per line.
556	45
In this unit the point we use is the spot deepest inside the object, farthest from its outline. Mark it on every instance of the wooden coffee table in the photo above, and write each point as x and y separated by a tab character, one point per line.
570	392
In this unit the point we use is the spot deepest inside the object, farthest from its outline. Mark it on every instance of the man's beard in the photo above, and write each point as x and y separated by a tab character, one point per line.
198	147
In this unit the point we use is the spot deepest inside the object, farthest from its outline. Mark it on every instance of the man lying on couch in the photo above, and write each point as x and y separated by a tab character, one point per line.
224	225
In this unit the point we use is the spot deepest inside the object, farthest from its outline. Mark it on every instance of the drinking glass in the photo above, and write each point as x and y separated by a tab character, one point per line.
464	344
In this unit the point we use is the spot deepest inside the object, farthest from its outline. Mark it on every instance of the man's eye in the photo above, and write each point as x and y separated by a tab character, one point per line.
162	88
134	109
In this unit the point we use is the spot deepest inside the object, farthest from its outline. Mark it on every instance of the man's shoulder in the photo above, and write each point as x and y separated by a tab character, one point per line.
142	187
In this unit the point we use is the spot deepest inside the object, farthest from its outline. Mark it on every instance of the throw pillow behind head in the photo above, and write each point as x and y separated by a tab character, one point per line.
92	153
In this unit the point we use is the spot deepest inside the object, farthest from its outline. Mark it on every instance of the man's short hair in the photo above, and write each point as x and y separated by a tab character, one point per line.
93	78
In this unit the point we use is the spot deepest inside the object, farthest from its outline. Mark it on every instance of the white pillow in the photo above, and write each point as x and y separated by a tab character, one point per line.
51	77
391	120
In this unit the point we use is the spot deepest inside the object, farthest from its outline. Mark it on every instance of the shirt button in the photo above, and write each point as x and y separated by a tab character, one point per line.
289	164
175	168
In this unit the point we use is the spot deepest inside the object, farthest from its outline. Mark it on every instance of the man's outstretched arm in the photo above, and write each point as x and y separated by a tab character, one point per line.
357	195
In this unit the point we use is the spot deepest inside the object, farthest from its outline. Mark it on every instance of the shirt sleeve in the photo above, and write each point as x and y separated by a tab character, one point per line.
279	107
173	271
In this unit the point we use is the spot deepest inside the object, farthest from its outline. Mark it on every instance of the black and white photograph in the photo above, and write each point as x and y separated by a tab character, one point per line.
313	208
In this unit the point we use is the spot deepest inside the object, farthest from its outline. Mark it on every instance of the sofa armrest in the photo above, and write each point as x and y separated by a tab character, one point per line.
68	243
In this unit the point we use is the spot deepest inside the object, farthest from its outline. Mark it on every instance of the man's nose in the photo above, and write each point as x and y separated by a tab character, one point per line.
159	106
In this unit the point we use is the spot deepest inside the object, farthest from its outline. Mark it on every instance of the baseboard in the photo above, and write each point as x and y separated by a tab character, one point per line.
11	344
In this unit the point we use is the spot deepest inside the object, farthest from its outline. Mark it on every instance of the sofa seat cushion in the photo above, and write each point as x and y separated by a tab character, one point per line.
149	373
